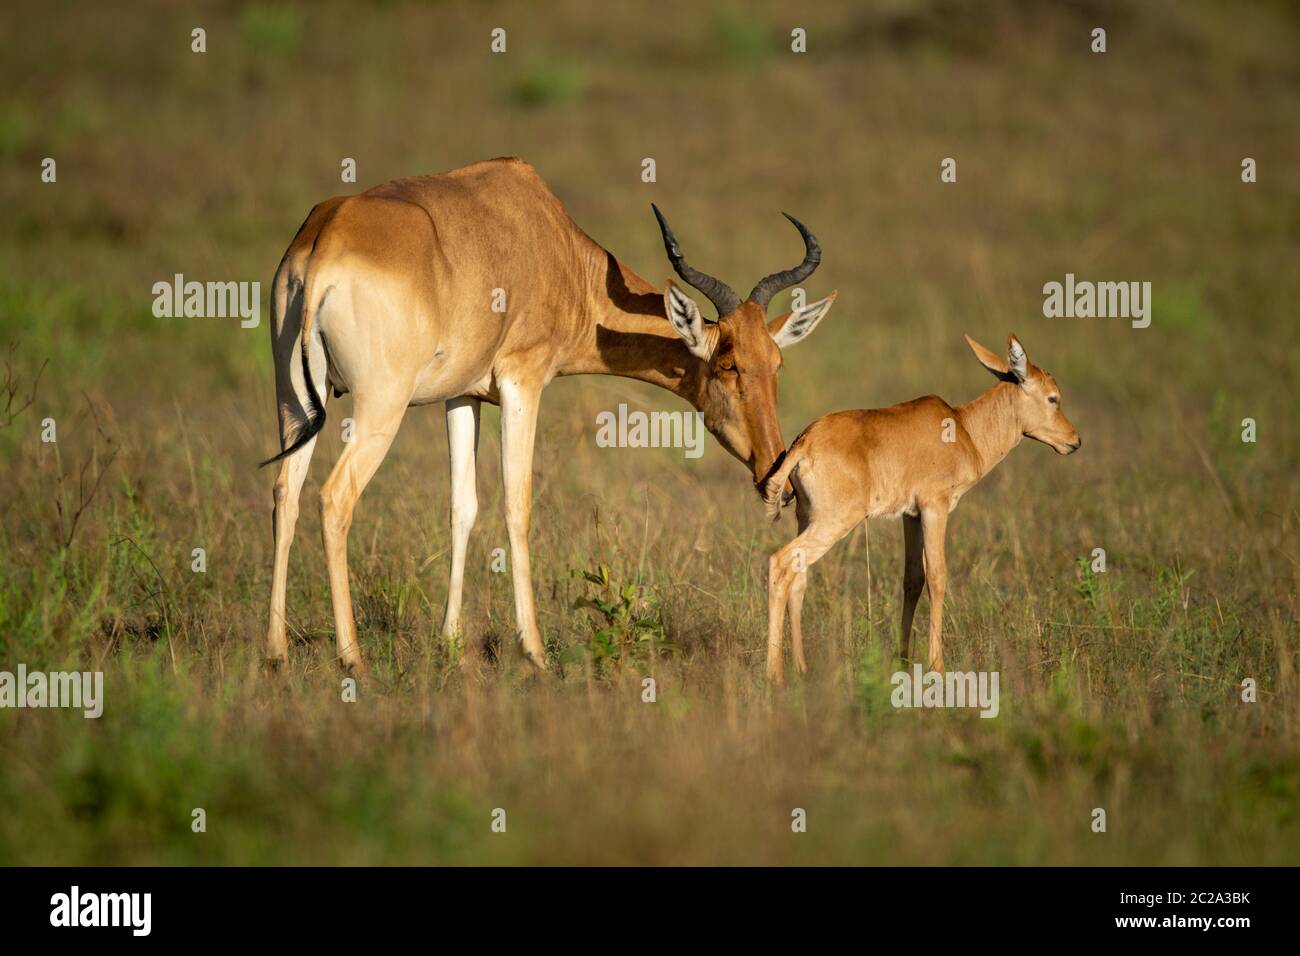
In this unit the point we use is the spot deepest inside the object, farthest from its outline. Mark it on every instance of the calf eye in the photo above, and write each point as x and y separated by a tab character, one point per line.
1054	399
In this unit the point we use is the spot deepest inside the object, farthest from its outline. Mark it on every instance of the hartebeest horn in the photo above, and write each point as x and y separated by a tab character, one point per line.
722	296
778	281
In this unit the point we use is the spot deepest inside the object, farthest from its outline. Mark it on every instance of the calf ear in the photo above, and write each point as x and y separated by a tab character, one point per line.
685	316
1017	360
990	360
797	325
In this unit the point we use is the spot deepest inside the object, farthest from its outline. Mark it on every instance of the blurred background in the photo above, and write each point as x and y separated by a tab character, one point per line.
1121	688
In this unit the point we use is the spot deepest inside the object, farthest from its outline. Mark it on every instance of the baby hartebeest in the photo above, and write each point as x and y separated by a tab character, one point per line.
393	295
915	460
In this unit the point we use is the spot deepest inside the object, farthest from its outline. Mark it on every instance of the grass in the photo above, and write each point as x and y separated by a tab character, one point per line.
543	83
271	30
1120	689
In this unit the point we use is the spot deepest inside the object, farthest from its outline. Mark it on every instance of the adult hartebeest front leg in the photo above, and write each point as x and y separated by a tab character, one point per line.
376	419
462	448
518	427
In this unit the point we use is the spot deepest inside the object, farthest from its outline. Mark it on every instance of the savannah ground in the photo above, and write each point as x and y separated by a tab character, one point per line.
1120	690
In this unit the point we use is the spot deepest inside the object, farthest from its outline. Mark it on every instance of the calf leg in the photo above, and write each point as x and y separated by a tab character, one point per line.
785	566
934	525
797	589
913	580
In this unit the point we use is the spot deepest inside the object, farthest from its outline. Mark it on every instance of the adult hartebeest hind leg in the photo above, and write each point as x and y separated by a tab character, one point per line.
376	418
293	403
913	460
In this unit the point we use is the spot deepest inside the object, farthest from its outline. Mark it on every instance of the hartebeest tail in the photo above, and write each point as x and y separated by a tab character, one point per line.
313	406
913	461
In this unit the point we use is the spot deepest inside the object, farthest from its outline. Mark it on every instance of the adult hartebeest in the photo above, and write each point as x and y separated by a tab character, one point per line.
915	460
389	295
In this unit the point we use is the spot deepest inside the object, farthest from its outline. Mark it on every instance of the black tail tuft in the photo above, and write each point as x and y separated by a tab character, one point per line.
315	415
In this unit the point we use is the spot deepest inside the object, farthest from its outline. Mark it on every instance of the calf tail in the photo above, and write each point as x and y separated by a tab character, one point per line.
776	479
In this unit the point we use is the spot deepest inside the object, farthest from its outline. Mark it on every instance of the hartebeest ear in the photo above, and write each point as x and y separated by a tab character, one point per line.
685	316
1017	360
990	360
795	326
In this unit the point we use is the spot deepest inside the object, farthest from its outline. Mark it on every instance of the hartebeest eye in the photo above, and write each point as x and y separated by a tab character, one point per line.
1054	399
